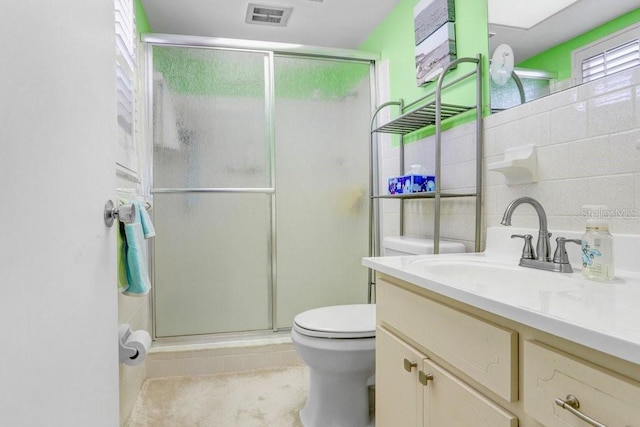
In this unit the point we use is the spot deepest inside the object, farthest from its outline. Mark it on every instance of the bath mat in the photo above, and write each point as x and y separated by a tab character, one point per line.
266	397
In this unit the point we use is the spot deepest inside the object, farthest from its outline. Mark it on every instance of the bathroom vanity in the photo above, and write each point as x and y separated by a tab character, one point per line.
475	340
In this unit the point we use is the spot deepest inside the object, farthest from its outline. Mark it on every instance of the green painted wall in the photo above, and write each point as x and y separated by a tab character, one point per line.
558	58
142	23
394	39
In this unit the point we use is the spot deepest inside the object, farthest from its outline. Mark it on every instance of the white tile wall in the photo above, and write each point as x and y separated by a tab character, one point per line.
588	149
184	360
136	312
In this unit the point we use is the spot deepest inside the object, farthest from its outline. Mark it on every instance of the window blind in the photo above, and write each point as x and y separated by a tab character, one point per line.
125	70
611	61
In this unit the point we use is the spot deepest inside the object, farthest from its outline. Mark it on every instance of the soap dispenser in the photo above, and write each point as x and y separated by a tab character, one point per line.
597	247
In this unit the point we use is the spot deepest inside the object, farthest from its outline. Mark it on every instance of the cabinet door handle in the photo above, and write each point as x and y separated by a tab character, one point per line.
408	365
424	378
572	404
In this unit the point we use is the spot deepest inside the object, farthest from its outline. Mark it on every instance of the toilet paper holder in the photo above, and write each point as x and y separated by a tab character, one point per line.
128	354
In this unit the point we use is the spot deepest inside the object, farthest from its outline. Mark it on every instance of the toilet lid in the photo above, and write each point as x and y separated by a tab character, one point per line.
338	321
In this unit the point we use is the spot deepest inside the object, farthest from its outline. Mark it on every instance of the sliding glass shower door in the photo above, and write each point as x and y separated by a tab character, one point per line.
323	111
260	175
213	189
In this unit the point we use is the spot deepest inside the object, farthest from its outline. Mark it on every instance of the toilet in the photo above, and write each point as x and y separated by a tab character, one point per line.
405	245
337	343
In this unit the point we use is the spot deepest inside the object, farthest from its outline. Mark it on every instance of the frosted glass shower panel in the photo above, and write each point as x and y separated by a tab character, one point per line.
323	109
212	263
210	118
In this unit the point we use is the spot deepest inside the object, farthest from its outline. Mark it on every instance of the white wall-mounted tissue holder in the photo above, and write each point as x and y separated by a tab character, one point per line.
133	345
520	165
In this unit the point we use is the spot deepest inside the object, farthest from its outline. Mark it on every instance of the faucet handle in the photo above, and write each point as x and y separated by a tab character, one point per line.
527	250
560	256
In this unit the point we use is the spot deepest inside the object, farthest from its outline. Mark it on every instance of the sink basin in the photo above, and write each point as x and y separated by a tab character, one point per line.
491	275
599	315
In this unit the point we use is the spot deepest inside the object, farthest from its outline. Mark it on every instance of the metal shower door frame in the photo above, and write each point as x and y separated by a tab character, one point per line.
270	49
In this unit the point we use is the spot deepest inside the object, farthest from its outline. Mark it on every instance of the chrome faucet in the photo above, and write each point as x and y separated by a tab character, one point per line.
542	247
541	259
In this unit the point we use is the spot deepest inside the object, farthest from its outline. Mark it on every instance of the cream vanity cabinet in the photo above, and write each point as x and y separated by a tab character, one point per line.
590	395
440	363
417	392
413	390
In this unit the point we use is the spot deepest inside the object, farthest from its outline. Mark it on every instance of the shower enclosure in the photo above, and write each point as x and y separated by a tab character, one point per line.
260	183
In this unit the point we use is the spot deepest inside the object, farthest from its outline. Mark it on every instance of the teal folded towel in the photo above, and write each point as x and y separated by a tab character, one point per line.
137	270
147	226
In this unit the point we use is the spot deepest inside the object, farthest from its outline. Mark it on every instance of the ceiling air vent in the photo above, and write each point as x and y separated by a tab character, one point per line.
268	15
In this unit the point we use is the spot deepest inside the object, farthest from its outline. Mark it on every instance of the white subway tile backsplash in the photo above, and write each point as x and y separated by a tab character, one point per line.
505	136
387	146
493	179
491	147
429	153
389	206
555	101
459	131
637	106
564	222
458	175
490	177
532	130
390	167
558	85
507	116
489	202
460	149
390	224
420	153
621	80
589	157
416	207
568	123
588	140
614	191
633	220
612	112
553	162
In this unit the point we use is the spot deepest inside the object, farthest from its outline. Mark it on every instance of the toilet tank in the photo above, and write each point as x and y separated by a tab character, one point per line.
405	245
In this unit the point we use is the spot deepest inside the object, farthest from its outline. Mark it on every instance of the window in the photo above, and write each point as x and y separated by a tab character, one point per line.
127	89
616	52
611	61
125	68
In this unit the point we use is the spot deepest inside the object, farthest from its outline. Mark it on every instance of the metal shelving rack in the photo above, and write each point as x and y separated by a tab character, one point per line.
426	111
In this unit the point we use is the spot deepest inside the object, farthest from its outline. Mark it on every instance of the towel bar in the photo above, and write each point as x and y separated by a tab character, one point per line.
126	213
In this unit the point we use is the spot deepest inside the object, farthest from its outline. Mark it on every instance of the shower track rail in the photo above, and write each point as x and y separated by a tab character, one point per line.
213	190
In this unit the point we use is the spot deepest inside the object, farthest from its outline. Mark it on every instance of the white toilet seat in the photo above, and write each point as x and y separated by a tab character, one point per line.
338	321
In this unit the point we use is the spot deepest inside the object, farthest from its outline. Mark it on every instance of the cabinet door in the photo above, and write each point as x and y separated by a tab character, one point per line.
484	351
448	402
551	376
398	392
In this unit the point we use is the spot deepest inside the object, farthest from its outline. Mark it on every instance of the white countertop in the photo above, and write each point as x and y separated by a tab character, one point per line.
604	316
